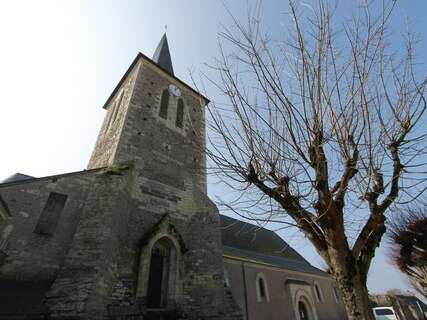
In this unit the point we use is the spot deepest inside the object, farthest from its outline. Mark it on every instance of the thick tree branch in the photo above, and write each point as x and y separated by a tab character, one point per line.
303	218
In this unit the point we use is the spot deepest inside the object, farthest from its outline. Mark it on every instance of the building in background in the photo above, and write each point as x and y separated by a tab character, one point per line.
270	280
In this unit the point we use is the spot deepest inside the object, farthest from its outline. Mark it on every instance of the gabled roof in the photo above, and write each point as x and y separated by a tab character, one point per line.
246	236
162	60
162	55
143	56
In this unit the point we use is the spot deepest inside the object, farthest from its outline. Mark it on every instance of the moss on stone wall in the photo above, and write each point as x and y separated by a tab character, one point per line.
117	169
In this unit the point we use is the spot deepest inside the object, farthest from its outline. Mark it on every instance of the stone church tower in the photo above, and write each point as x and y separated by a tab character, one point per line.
155	121
134	236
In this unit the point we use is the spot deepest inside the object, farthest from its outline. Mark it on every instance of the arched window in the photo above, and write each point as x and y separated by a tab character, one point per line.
318	291
261	288
179	113
304	306
164	103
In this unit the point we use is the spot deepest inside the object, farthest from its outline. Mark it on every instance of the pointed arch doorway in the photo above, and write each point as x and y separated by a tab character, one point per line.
162	273
304	308
303	311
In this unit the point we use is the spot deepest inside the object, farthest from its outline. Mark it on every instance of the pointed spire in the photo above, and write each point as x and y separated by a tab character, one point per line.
162	55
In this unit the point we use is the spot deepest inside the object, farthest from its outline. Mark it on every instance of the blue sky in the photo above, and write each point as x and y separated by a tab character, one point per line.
59	60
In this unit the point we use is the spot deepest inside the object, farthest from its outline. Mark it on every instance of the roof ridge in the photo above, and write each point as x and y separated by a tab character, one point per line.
248	223
33	179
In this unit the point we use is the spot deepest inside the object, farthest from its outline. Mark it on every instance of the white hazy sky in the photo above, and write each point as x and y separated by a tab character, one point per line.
59	60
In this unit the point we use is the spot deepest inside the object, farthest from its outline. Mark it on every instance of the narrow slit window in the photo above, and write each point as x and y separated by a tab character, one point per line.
50	215
336	295
117	106
261	288
164	103
180	113
114	110
226	279
318	291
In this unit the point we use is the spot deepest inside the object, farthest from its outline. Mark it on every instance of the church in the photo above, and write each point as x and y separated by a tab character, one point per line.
135	236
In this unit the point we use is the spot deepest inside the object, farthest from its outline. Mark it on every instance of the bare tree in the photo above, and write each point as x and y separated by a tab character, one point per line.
324	130
409	241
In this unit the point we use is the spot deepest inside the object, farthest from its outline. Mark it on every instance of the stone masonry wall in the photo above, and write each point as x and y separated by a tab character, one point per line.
201	294
84	284
176	154
110	132
169	178
32	260
31	255
139	135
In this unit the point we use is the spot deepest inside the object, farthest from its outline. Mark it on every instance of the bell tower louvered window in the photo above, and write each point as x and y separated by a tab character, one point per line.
179	113
164	103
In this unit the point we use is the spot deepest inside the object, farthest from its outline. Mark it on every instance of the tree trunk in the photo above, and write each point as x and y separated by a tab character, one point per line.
355	295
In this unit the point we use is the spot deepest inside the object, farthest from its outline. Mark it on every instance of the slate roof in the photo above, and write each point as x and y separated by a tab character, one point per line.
252	242
29	179
246	236
162	55
273	261
16	177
